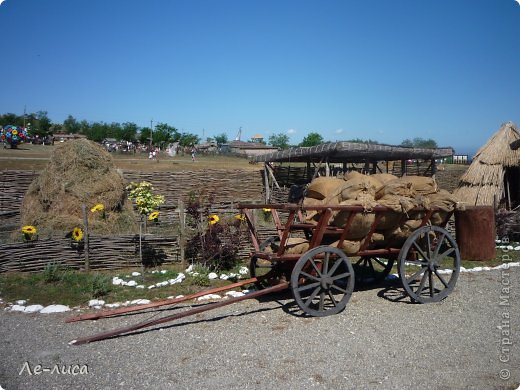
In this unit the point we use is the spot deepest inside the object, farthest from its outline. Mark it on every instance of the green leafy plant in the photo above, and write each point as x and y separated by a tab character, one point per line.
145	200
52	272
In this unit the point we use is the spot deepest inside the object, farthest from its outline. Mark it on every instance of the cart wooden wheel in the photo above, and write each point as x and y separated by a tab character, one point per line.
429	264
322	281
372	269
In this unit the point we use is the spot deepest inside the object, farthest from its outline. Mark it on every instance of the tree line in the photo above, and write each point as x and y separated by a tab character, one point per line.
312	139
39	124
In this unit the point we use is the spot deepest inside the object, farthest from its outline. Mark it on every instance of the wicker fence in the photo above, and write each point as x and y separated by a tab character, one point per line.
222	188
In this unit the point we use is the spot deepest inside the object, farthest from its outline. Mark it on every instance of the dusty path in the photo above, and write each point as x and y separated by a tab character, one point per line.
375	343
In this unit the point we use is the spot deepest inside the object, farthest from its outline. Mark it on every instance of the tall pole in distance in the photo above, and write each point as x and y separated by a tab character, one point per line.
151	133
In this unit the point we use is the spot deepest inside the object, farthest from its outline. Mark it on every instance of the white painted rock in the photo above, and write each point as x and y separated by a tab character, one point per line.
131	283
212	275
54	309
33	309
209	296
96	302
136	273
243	271
21	302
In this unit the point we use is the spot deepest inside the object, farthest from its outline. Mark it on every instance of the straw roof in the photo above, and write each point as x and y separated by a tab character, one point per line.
483	182
354	152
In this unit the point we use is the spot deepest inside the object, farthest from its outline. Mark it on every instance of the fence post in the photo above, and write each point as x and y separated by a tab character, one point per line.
87	244
182	227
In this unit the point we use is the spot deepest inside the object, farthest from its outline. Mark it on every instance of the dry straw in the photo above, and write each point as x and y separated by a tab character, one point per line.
484	181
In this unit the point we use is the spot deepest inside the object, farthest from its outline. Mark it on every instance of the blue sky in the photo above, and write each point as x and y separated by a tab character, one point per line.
385	70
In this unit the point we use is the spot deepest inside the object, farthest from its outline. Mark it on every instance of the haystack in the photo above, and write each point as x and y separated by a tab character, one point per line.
79	173
493	178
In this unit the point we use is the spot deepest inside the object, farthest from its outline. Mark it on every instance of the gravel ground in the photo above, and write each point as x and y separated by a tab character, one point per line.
376	343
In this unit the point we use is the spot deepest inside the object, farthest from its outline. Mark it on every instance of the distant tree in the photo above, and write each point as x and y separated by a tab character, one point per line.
11	119
312	139
164	133
128	131
99	131
221	139
43	122
144	135
188	139
70	125
279	140
419	143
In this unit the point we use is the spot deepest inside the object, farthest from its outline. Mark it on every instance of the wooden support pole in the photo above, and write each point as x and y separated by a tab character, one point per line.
87	243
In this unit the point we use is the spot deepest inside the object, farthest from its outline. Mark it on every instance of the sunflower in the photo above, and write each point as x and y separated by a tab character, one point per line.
240	217
153	216
266	210
213	219
77	234
96	208
30	230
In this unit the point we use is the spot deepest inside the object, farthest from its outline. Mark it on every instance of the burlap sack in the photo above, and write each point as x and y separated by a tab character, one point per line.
384	178
324	186
421	185
359	185
443	200
396	188
362	221
399	206
293	245
349	247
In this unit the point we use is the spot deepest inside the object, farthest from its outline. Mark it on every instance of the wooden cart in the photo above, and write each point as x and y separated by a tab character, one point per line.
322	278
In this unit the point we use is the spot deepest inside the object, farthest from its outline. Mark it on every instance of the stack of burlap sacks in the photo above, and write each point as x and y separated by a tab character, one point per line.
399	195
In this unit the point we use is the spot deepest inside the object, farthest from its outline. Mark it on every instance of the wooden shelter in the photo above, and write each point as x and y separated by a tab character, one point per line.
304	163
493	178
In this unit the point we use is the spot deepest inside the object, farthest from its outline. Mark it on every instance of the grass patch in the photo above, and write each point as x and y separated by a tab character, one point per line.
56	285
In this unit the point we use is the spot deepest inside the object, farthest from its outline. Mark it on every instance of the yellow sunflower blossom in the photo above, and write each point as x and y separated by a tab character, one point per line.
153	216
266	210
213	219
77	234
240	217
29	230
96	208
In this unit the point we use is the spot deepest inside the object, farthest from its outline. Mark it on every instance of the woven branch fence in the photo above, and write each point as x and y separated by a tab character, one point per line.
222	188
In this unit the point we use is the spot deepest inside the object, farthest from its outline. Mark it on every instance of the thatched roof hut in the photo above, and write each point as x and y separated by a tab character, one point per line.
493	178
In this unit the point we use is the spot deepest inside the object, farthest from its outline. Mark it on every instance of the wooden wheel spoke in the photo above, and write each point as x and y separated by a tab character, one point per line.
315	266
421	285
331	296
340	276
380	262
441	278
439	244
309	276
322	300
309	300
308	286
419	249
325	264
414	276
430	281
428	245
334	267
446	253
333	286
